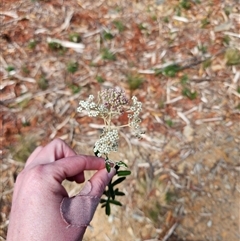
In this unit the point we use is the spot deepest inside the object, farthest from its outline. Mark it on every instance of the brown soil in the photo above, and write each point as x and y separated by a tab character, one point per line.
185	171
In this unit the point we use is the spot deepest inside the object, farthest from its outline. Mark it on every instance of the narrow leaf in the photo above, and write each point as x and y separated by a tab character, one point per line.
119	180
108	167
108	209
121	164
115	202
117	193
123	173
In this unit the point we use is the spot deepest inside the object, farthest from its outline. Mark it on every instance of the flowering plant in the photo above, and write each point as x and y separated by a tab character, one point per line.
111	104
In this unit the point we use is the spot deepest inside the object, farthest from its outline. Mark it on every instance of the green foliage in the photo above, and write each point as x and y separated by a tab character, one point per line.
202	48
75	37
170	197
108	55
107	35
205	22
100	79
238	89
154	212
10	68
184	80
142	26
227	11
26	123
161	104
72	67
207	63
154	17
166	19
185	4
169	122
123	173
32	44
232	56
226	39
54	46
121	164
43	83
75	88
178	10
134	81
111	192
25	70
170	70
119	25
188	93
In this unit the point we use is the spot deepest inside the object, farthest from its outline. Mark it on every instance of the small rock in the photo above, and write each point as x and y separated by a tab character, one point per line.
209	223
188	133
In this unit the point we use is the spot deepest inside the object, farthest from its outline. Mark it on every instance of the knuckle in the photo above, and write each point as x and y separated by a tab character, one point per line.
58	141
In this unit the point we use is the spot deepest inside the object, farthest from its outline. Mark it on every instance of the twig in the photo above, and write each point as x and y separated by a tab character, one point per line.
9	14
78	47
27	79
232	34
66	23
183	117
181	19
170	231
200	121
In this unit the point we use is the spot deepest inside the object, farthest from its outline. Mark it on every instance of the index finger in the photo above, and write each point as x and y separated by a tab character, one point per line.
73	165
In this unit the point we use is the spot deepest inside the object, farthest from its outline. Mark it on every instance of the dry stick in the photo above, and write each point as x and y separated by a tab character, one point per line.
66	23
170	231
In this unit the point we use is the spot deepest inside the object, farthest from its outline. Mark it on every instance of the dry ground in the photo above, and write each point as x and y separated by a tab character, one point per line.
185	171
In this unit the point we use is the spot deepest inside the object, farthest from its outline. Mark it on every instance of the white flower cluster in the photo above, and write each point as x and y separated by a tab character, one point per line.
107	143
111	104
90	106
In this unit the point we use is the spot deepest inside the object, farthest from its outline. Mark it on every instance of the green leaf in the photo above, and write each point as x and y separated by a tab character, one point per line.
188	93
119	25
103	200
121	164
119	180
232	56
108	167
118	193
184	79
123	173
75	37
169	70
108	55
10	68
72	67
108	208
107	35
115	202
96	152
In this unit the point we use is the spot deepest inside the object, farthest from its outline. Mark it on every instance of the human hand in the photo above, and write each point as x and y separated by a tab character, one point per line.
41	208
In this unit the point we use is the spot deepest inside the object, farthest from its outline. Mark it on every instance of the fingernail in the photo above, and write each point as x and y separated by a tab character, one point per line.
86	189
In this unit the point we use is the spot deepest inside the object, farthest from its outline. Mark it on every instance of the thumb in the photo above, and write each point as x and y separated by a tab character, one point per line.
79	210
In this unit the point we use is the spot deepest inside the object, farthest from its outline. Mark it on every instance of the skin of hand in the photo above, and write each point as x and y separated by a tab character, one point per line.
38	211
